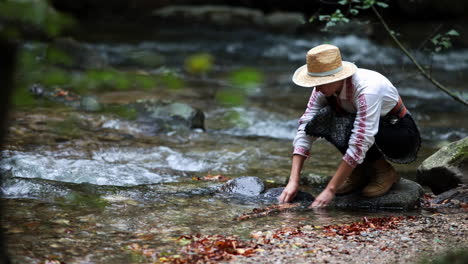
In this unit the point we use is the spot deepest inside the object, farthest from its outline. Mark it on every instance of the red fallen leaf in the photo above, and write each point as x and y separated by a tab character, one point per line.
216	178
382	223
211	178
61	93
259	212
32	224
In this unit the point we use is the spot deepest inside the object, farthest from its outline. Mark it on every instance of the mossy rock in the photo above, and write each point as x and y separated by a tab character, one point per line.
166	116
447	168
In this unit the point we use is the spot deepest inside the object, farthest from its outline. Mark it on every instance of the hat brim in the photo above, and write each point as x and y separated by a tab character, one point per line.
303	79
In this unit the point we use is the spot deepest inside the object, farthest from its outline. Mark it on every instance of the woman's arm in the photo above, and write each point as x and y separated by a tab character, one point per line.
327	195
290	190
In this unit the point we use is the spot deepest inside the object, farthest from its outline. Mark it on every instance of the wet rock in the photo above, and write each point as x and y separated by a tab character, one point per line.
144	58
233	16
271	195
80	55
284	21
250	186
452	198
218	15
37	90
313	179
403	195
90	103
446	168
170	115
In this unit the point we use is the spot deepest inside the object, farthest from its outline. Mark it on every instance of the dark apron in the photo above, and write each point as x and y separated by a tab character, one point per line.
397	140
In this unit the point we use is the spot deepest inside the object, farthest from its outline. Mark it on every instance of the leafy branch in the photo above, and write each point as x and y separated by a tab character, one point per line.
440	41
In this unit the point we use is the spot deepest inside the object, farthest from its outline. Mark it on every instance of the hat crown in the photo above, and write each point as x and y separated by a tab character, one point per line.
324	58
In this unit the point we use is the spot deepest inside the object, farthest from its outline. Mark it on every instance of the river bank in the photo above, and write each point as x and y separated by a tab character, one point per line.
390	239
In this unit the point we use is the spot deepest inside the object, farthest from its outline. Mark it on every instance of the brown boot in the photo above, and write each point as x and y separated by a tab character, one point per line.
356	180
382	180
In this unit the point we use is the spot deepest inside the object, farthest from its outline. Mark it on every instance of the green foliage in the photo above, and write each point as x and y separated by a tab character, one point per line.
231	97
123	111
246	78
171	80
17	15
68	127
334	18
242	82
200	63
22	97
56	56
76	199
353	9
444	41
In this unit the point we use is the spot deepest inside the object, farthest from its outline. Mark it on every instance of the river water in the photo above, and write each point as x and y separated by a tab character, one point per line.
84	200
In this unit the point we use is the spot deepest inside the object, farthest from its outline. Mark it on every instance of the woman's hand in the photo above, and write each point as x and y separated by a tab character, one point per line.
289	192
324	198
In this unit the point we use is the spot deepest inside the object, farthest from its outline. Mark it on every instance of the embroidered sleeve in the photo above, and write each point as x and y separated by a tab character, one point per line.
303	142
366	126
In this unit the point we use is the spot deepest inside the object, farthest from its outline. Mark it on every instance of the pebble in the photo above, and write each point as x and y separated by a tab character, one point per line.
405	239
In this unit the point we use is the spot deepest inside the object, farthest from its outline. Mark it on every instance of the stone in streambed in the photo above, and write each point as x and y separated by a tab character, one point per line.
445	169
250	186
271	195
403	195
254	187
167	115
452	198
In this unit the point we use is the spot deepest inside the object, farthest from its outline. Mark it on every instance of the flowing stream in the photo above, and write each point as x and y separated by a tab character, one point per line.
86	200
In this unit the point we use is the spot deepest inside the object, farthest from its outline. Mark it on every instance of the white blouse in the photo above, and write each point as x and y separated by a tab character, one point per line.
370	96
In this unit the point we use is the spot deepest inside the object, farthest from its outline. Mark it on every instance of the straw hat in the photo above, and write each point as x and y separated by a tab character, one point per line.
324	65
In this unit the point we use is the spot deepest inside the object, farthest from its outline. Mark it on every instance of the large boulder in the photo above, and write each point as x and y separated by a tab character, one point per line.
446	168
80	55
404	195
254	187
220	15
165	115
250	186
271	196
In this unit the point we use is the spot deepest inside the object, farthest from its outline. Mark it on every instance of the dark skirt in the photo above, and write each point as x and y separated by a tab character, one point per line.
397	140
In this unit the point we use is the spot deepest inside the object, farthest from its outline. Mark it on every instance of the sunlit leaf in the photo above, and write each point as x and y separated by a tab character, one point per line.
353	11
56	56
453	33
230	97
199	63
172	81
382	4
246	78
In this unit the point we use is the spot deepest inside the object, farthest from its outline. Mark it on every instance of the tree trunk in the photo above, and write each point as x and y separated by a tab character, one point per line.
7	70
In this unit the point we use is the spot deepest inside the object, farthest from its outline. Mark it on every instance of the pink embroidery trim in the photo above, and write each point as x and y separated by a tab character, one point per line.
348	159
362	126
301	151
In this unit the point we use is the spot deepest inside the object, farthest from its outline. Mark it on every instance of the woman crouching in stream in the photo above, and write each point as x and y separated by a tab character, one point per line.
361	113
